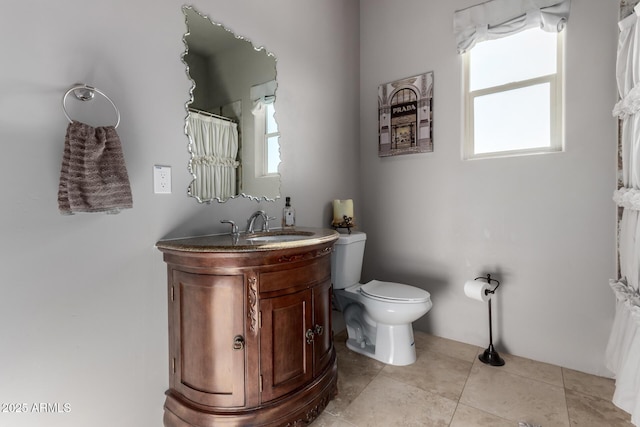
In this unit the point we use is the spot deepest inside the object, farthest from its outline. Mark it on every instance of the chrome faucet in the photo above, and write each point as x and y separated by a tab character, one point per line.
234	227
252	219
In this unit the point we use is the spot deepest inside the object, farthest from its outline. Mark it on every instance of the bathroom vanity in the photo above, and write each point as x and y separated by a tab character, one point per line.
250	338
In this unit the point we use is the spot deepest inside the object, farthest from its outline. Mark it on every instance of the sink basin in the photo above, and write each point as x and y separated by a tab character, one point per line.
278	236
258	241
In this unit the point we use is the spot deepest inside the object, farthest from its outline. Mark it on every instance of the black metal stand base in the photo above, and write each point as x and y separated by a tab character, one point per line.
348	227
346	223
491	357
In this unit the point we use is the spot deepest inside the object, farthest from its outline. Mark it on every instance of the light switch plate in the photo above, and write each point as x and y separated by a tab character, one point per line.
161	179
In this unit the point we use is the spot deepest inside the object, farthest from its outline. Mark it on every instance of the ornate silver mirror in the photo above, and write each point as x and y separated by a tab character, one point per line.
231	126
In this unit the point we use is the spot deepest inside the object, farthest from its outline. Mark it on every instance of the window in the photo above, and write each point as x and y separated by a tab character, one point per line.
271	145
267	136
513	95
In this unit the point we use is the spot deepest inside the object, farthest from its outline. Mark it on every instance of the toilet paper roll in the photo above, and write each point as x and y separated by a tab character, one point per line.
475	289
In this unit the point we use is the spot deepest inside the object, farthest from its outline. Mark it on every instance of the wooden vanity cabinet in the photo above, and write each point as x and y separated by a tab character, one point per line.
250	339
206	367
296	322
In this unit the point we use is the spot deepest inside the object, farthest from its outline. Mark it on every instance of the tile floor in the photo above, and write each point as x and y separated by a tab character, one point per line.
449	386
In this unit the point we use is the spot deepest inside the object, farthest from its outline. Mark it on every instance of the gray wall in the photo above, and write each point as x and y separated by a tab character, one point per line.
83	308
83	305
543	224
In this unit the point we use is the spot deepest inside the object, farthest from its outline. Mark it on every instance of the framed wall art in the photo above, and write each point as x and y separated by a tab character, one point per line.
405	116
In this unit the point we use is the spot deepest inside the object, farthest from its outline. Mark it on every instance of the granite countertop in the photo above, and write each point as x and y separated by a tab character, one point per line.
259	241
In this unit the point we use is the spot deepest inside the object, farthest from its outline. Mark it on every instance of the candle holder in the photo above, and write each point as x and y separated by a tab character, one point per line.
347	222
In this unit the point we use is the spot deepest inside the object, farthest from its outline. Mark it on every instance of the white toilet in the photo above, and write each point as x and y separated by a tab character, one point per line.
378	315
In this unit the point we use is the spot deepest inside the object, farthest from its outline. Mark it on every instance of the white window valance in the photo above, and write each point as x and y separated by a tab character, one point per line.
261	94
263	90
499	18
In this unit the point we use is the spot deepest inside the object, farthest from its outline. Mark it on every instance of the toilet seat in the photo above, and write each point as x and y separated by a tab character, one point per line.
394	292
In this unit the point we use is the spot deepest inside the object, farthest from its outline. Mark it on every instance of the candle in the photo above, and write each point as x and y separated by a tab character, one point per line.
342	208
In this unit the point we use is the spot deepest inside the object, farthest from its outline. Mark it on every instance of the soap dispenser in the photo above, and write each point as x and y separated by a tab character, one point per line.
288	215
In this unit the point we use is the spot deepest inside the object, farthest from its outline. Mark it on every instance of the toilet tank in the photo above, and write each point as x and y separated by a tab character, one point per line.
346	259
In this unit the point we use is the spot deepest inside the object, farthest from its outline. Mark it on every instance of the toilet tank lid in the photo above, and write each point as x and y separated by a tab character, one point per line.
395	291
355	236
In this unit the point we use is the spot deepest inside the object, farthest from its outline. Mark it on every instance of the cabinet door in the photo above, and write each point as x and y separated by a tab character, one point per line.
322	341
207	316
285	355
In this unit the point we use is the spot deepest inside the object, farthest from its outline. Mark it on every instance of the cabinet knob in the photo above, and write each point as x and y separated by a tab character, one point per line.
318	330
238	342
309	336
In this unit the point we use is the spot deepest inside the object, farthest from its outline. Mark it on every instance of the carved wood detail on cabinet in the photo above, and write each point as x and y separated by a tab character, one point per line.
249	344
252	297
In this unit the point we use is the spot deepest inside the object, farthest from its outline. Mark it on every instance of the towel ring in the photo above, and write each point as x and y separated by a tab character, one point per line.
85	92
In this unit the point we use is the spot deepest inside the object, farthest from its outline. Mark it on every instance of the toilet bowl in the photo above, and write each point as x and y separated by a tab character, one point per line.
378	315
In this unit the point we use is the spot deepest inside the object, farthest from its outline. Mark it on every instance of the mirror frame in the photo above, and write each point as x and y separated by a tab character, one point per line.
192	99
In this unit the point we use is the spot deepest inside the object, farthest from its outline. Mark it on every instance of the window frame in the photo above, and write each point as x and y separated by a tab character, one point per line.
556	107
262	142
265	143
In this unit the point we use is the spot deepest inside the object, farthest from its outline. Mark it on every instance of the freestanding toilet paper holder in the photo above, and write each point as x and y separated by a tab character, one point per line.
490	355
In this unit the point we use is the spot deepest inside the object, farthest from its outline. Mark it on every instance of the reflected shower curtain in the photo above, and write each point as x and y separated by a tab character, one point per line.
623	349
214	150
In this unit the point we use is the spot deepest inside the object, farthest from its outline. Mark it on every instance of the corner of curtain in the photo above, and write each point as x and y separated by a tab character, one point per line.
500	18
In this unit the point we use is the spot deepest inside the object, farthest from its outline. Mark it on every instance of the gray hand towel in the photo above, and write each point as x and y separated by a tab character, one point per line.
94	176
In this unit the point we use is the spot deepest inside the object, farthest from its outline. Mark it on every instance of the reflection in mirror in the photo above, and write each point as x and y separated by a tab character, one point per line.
233	134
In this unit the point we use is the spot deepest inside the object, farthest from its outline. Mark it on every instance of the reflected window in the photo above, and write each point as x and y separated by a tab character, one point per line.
266	132
267	135
271	145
